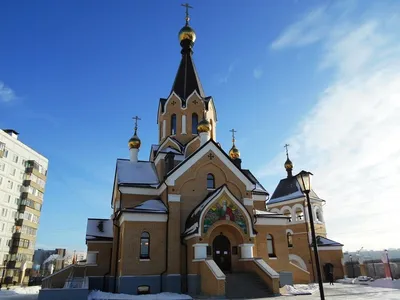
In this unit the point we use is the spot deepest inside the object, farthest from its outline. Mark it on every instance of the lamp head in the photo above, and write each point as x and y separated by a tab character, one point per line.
304	180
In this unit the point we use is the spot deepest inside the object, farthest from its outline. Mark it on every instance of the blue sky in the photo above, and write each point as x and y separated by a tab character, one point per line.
321	75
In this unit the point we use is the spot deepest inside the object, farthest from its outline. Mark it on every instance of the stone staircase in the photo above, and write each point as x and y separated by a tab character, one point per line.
245	286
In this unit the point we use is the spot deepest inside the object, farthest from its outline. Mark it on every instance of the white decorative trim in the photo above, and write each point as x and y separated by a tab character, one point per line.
271	221
289	230
294	265
169	98
144	259
248	201
129	190
273	258
164	128
200	251
161	156
188	144
294	214
183	124
174	198
219	275
275	210
259	197
299	260
195	158
161	147
142	217
266	268
246	250
194	93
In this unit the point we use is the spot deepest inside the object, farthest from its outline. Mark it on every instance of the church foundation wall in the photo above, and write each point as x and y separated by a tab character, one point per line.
171	283
193	284
130	284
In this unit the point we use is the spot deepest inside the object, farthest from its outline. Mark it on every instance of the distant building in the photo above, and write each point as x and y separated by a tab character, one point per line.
42	258
23	174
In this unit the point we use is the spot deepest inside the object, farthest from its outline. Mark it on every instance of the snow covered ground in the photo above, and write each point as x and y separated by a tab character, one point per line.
30	292
350	292
97	295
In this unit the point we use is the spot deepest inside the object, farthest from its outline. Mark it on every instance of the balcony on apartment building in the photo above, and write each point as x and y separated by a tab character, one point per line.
2	149
34	181
32	167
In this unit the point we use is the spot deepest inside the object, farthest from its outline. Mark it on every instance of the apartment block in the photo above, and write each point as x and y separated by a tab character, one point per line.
23	173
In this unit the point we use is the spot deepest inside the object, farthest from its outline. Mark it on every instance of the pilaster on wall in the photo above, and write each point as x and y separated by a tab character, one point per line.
174	238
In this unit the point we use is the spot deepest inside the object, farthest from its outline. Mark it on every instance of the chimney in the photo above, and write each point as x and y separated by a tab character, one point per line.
238	163
12	133
169	162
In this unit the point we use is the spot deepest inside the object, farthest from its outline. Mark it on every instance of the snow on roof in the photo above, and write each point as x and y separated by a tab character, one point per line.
170	149
140	173
191	229
151	206
268	214
297	194
99	229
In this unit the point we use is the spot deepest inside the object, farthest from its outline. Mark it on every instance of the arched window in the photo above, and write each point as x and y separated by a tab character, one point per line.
212	129
289	239
195	122
270	246
288	214
318	215
210	181
145	245
173	124
299	214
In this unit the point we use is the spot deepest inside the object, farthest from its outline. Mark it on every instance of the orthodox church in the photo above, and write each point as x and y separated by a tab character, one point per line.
191	219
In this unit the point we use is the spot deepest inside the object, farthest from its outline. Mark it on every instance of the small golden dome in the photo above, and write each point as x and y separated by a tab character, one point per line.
187	33
234	153
134	142
288	164
204	126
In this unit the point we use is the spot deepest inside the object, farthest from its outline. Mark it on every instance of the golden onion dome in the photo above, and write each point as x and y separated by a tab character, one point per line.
288	164
134	142
234	153
203	126
187	33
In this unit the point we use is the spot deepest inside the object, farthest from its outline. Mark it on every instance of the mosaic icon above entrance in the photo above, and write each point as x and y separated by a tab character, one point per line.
224	209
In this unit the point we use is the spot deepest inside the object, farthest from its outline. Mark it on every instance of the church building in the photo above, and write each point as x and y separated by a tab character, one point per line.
192	219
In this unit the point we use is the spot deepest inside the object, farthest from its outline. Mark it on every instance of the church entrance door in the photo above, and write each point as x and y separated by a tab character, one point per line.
222	252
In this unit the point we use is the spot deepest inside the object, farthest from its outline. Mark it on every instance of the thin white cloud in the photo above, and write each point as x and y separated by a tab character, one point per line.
6	93
258	72
350	139
308	30
223	78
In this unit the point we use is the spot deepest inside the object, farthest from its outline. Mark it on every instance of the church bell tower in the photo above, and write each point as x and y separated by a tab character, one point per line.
187	112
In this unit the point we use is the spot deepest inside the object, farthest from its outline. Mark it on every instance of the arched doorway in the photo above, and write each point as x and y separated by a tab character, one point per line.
222	252
328	270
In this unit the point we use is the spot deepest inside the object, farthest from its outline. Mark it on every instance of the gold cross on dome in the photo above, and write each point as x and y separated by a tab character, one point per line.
136	118
287	152
233	134
187	6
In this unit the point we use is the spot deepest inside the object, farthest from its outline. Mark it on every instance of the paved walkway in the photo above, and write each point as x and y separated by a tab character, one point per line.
351	292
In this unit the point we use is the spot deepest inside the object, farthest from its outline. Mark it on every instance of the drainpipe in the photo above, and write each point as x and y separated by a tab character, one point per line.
107	273
186	266
166	246
117	253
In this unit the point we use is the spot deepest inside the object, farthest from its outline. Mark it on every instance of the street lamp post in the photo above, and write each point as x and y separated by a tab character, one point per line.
352	266
388	262
304	180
